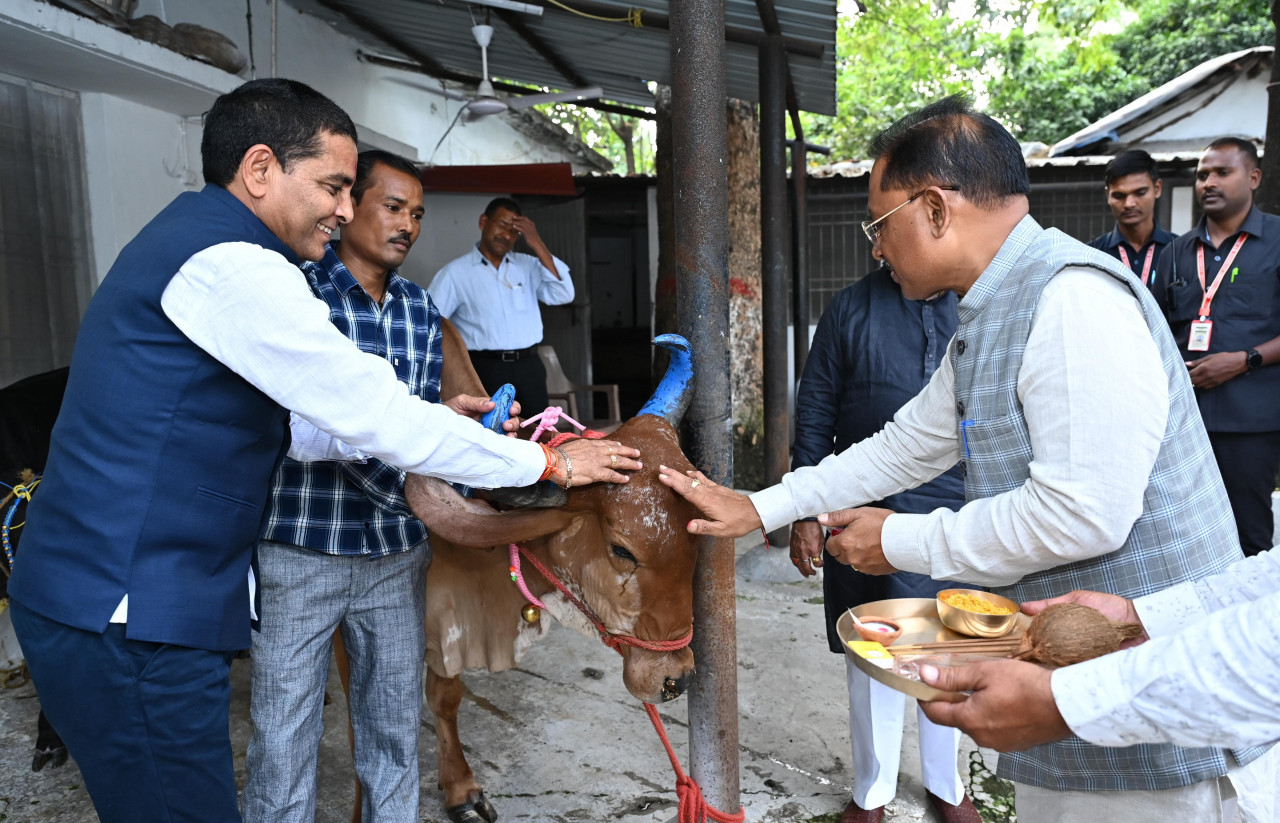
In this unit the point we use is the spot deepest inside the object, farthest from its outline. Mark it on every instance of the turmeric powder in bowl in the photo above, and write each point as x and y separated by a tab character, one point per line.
977	605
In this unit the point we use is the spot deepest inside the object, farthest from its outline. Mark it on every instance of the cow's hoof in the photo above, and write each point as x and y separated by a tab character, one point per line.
477	809
53	758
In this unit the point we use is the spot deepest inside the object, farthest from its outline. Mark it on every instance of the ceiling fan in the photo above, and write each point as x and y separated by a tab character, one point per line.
486	102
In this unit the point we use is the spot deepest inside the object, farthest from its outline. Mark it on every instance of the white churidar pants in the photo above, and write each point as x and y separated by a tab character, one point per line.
876	717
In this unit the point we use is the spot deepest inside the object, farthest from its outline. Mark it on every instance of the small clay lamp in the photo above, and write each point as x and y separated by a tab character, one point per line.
881	630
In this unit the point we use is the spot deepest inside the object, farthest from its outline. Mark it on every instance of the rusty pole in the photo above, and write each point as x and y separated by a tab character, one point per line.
800	254
700	165
775	231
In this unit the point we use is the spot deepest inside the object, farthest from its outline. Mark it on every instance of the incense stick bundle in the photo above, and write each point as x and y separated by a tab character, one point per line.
977	646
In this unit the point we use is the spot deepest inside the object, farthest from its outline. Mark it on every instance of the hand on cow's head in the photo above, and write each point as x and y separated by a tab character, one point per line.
726	513
594	461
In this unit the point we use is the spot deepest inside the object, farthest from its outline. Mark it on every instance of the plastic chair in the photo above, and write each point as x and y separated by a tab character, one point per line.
564	392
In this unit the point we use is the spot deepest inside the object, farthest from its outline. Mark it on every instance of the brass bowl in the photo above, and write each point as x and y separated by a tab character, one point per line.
973	623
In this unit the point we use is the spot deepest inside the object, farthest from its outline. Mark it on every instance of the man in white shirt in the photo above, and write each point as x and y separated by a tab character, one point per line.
1085	461
491	294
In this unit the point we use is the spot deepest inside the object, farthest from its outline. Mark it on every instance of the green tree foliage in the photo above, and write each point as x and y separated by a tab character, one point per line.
889	60
1048	85
1045	68
628	141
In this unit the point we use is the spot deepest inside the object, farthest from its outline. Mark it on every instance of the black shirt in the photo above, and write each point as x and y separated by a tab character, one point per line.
1113	241
1245	313
873	351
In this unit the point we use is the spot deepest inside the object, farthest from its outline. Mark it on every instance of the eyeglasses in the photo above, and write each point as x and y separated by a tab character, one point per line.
872	227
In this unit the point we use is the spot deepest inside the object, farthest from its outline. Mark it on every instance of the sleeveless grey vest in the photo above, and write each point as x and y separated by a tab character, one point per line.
1186	530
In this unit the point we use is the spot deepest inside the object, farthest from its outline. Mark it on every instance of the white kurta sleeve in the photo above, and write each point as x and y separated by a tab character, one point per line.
252	311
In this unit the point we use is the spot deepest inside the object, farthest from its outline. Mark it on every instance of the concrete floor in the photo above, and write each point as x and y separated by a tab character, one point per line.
559	740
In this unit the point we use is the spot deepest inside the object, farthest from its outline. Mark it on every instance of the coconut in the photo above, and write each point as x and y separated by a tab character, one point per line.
1067	633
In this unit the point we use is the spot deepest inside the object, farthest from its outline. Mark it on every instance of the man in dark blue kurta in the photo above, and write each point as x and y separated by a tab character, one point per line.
872	352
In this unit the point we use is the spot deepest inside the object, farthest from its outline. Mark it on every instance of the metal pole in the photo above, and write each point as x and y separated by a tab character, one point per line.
700	164
775	229
800	254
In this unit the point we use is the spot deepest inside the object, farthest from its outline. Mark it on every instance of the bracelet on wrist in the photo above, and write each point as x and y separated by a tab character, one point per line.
568	467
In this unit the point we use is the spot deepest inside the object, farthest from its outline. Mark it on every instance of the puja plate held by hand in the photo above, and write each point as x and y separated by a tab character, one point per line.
923	637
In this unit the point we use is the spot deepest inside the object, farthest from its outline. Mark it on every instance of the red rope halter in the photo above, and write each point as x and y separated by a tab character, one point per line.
692	807
610	639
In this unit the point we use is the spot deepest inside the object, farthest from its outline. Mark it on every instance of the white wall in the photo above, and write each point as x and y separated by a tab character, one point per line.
141	105
376	97
137	159
1239	110
453	220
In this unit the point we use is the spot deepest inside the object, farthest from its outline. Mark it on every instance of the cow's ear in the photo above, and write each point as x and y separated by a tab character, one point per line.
453	517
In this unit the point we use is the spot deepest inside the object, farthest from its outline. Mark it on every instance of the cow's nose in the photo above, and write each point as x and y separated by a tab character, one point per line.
674	687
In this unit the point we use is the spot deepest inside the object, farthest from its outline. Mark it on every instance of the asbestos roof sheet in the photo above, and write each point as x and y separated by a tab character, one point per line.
618	56
1219	69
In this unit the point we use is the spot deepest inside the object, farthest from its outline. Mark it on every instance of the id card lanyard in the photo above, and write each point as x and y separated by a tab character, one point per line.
1146	264
1202	329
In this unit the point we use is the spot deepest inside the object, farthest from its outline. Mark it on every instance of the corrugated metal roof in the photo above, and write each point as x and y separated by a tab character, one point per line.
615	55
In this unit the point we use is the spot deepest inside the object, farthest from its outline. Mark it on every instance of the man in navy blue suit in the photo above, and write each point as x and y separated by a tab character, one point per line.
130	595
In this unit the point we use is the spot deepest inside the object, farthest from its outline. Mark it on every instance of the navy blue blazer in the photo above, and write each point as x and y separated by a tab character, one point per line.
161	458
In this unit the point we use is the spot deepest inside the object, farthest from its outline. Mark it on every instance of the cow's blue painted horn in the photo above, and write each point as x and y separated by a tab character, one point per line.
673	394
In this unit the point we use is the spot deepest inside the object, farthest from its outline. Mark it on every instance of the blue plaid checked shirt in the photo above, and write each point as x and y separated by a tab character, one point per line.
359	508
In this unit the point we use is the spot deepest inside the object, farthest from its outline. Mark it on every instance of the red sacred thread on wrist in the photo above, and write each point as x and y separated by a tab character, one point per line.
550	456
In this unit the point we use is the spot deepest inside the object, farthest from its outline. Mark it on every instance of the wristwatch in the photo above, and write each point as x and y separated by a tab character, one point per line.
1254	359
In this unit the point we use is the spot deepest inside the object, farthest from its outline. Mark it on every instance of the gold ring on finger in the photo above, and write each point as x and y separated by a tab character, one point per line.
613	461
694	484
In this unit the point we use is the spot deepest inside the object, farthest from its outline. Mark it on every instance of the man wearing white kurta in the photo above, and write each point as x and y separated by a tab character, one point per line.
1086	463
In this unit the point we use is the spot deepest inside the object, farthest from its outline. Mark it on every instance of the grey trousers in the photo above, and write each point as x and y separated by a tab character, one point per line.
379	605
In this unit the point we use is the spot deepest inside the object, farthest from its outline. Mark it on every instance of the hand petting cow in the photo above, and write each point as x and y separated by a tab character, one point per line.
621	549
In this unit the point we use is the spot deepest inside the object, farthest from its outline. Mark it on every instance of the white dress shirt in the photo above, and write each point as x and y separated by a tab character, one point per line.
1096	418
497	309
253	311
1210	675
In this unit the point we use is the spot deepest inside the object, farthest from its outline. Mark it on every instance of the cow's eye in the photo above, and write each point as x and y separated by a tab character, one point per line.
624	554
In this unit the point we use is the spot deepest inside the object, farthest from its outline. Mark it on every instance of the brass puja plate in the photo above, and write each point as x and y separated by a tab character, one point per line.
918	617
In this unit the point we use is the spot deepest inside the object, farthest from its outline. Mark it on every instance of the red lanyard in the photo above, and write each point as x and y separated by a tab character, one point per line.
1146	264
1217	281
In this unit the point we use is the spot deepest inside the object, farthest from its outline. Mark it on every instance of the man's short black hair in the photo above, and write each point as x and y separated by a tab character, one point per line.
286	116
502	203
1133	161
372	157
1246	147
947	143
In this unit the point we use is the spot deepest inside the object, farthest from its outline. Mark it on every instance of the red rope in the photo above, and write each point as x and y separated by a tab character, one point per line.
563	437
613	641
693	807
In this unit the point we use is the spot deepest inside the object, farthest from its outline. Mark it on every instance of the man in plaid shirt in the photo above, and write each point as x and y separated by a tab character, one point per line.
341	549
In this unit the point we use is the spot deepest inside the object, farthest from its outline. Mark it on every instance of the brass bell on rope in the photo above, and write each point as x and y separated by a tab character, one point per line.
531	613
